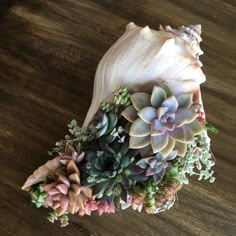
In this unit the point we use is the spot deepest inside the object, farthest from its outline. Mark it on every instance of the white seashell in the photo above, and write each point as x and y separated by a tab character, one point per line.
143	57
41	173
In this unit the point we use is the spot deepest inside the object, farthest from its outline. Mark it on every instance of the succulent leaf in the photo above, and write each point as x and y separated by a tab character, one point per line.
184	100
159	142
157	128
148	114
196	127
140	100
169	147
171	103
139	142
178	134
130	114
139	128
158	96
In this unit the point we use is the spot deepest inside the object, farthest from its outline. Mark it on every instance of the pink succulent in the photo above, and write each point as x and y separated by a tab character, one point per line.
66	193
72	153
137	202
106	208
90	206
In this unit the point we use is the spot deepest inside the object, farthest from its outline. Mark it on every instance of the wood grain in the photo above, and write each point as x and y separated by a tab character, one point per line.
49	51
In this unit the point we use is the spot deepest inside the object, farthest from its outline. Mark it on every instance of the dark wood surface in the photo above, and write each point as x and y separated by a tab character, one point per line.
49	51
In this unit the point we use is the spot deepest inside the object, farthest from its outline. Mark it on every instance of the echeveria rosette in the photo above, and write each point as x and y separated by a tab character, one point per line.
154	166
162	122
65	193
104	122
108	170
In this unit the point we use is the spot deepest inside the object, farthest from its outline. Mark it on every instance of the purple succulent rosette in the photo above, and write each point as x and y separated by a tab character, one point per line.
138	151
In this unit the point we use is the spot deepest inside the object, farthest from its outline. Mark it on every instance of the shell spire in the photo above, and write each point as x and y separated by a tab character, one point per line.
191	35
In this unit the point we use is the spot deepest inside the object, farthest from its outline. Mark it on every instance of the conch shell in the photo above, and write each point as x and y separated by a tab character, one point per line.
143	57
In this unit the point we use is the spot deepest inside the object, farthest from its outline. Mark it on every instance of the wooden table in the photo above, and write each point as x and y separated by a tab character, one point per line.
49	51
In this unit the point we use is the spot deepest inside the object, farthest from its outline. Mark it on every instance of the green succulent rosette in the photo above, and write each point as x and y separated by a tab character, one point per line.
162	122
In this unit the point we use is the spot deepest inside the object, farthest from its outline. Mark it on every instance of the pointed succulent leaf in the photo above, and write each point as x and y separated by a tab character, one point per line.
76	188
171	103
148	114
196	127
185	100
139	128
125	161
158	177
94	172
139	142
156	170
125	181
140	100
146	151
178	134
184	115
171	156
158	96
143	163
161	111
181	148
211	128
124	195
104	120
111	183
72	168
63	188
130	114
112	121
97	164
157	128
169	147
189	134
169	126
159	142
124	148
74	177
101	187
101	131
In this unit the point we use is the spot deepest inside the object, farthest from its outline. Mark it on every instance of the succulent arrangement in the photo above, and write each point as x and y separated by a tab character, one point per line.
138	152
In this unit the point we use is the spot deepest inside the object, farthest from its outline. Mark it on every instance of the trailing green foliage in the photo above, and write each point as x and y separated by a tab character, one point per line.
198	160
84	136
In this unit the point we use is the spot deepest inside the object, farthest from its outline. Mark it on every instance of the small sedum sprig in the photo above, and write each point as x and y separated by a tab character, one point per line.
77	135
81	135
64	219
38	196
122	98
